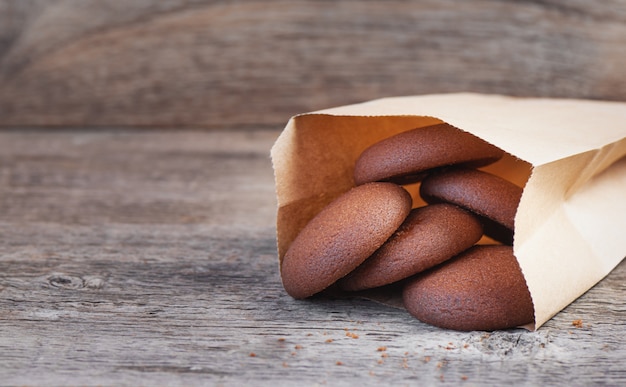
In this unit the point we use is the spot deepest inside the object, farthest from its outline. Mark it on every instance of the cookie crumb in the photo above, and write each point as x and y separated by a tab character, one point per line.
298	346
577	323
352	334
252	354
329	340
381	349
463	377
426	359
338	363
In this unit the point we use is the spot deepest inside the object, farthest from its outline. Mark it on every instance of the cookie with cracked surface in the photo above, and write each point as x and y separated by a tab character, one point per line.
342	236
480	289
405	157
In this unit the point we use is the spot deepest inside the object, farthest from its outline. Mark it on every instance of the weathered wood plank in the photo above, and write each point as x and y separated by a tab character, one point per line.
148	258
256	63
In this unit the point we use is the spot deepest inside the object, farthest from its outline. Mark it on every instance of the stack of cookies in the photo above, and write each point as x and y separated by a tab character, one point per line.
374	236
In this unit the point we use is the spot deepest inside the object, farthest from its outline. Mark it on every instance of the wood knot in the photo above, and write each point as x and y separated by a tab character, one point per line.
64	281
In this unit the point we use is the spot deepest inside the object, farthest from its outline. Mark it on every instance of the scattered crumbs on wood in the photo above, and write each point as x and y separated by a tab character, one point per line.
381	349
577	323
352	335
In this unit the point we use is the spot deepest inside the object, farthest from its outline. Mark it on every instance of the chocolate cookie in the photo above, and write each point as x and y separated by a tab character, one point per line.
405	157
429	235
490	196
342	236
481	289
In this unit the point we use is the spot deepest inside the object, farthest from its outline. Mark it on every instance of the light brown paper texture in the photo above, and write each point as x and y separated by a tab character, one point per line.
569	228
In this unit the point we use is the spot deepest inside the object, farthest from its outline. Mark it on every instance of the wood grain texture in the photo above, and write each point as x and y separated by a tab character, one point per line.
132	257
218	64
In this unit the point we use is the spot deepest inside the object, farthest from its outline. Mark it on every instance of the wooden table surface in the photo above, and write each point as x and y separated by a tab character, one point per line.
132	257
258	62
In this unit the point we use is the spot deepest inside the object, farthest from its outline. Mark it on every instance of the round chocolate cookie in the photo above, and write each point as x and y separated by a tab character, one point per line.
429	235
487	195
342	236
405	157
481	289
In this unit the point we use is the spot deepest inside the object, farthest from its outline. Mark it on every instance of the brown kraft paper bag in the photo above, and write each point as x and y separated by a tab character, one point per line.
569	155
